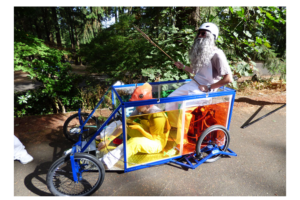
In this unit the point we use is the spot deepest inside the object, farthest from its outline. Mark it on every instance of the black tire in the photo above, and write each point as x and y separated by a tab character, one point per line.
213	133
60	178
73	122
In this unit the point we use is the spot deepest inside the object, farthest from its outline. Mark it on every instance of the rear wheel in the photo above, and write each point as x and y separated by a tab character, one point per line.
215	136
71	126
90	176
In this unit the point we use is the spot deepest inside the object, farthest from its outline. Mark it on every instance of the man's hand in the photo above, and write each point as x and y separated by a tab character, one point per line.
179	65
203	88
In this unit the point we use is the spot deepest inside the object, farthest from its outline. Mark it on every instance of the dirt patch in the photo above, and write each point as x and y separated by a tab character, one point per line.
252	97
38	129
269	90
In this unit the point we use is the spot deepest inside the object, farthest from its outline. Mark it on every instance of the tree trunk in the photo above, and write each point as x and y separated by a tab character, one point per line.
56	107
78	59
45	24
58	37
71	29
63	109
116	14
195	17
38	32
92	20
189	15
70	34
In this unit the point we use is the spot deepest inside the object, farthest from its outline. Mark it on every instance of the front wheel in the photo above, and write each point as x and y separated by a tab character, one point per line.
215	136
90	174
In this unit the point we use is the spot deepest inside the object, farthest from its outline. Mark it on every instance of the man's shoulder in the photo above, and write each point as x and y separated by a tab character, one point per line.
218	53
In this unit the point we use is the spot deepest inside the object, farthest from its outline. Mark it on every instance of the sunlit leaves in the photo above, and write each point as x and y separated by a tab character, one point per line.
247	33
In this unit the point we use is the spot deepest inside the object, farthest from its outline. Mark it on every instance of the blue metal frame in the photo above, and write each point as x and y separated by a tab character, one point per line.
77	146
226	92
124	136
124	105
214	151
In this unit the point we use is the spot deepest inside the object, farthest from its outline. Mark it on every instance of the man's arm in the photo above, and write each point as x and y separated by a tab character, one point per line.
225	80
220	68
179	65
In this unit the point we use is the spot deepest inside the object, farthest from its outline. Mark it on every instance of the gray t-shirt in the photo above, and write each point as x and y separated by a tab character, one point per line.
220	65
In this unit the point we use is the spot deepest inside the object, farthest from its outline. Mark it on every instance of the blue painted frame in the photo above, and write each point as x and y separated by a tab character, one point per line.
226	92
123	105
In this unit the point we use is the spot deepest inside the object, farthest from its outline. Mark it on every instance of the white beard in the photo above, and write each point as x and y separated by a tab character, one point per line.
202	52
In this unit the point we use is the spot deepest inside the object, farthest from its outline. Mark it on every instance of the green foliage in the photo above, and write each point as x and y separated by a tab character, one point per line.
122	53
245	37
43	63
248	34
176	44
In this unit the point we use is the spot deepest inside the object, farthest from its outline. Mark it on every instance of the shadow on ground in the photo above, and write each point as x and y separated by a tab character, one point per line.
255	102
36	181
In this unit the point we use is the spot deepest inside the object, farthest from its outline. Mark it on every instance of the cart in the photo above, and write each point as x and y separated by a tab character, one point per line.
199	133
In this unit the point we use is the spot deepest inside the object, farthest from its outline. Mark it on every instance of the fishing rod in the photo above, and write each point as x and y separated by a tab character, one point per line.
147	38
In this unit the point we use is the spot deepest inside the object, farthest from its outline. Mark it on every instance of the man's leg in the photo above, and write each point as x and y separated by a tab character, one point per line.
20	152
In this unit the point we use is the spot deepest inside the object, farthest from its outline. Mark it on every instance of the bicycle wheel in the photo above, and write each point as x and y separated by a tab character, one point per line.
90	176
214	136
71	126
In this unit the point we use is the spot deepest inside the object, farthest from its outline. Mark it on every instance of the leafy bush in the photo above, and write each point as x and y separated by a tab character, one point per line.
45	64
123	54
248	34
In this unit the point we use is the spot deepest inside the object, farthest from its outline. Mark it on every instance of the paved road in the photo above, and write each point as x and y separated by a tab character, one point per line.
258	170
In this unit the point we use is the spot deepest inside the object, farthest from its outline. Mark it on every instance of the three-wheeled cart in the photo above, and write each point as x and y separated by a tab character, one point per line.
199	133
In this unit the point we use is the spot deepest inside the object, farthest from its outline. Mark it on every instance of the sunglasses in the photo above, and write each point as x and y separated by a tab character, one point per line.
202	33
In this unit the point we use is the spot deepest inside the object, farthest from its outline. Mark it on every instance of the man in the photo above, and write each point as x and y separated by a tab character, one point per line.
208	63
150	135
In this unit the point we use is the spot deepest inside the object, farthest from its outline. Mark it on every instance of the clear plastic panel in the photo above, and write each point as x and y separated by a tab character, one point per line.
186	125
150	137
106	108
160	132
158	90
201	114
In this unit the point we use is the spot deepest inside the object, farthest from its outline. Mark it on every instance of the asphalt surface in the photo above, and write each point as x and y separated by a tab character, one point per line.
260	168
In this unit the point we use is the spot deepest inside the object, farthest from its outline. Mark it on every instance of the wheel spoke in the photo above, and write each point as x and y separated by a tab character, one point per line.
62	176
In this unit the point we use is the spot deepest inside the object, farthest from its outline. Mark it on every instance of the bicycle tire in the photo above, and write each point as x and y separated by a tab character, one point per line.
60	177
203	142
73	119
